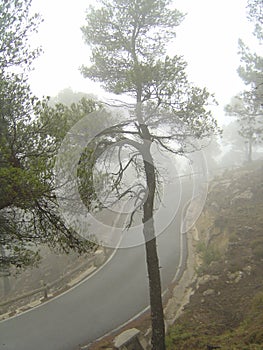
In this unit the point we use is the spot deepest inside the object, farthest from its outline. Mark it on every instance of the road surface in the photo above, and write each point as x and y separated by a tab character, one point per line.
110	297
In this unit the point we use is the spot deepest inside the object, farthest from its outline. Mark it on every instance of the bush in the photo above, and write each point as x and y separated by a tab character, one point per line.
208	253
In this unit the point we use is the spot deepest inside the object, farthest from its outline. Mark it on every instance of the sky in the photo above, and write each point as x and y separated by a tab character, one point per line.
207	38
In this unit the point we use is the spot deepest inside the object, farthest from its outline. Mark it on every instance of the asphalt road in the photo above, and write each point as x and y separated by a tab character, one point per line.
110	297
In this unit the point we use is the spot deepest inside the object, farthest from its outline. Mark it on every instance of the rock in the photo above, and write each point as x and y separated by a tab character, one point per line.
244	195
99	257
208	292
205	279
127	338
235	277
247	269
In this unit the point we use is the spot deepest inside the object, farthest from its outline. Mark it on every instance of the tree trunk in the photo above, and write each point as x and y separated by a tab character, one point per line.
249	158
157	316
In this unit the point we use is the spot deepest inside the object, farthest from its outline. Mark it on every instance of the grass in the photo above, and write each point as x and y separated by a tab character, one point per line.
208	254
248	336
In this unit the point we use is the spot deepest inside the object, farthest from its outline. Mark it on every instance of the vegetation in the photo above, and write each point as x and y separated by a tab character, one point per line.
225	309
128	42
247	106
208	254
30	136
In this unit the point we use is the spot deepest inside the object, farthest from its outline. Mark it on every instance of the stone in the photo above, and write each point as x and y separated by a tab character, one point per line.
235	277
208	292
205	279
247	269
99	257
128	340
244	195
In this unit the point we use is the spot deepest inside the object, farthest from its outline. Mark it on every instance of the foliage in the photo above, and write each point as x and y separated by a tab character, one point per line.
235	144
30	135
208	254
255	10
29	211
125	38
15	29
129	43
68	97
247	106
131	59
251	70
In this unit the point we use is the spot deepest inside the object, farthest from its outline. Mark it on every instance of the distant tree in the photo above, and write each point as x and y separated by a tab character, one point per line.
251	69
234	147
248	110
212	154
128	41
248	105
68	96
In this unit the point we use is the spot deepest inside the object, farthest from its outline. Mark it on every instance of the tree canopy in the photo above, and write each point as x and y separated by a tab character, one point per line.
30	135
247	106
129	42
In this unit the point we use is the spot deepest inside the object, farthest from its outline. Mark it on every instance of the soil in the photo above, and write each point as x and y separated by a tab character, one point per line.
226	309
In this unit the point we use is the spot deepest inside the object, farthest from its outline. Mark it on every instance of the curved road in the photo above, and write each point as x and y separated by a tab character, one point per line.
107	299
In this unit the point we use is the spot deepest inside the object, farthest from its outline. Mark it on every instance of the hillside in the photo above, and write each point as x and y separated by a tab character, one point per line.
226	308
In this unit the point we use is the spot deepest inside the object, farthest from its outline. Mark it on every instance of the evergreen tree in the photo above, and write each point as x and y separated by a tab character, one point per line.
30	135
129	42
248	105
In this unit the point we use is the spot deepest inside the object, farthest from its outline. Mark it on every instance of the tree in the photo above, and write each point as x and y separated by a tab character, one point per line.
251	69
129	42
68	97
234	148
15	29
255	15
30	136
16	25
247	108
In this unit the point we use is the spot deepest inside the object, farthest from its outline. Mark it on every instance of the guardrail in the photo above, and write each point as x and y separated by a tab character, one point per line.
56	286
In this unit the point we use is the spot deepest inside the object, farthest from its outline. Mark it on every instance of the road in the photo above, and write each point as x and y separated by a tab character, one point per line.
110	297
